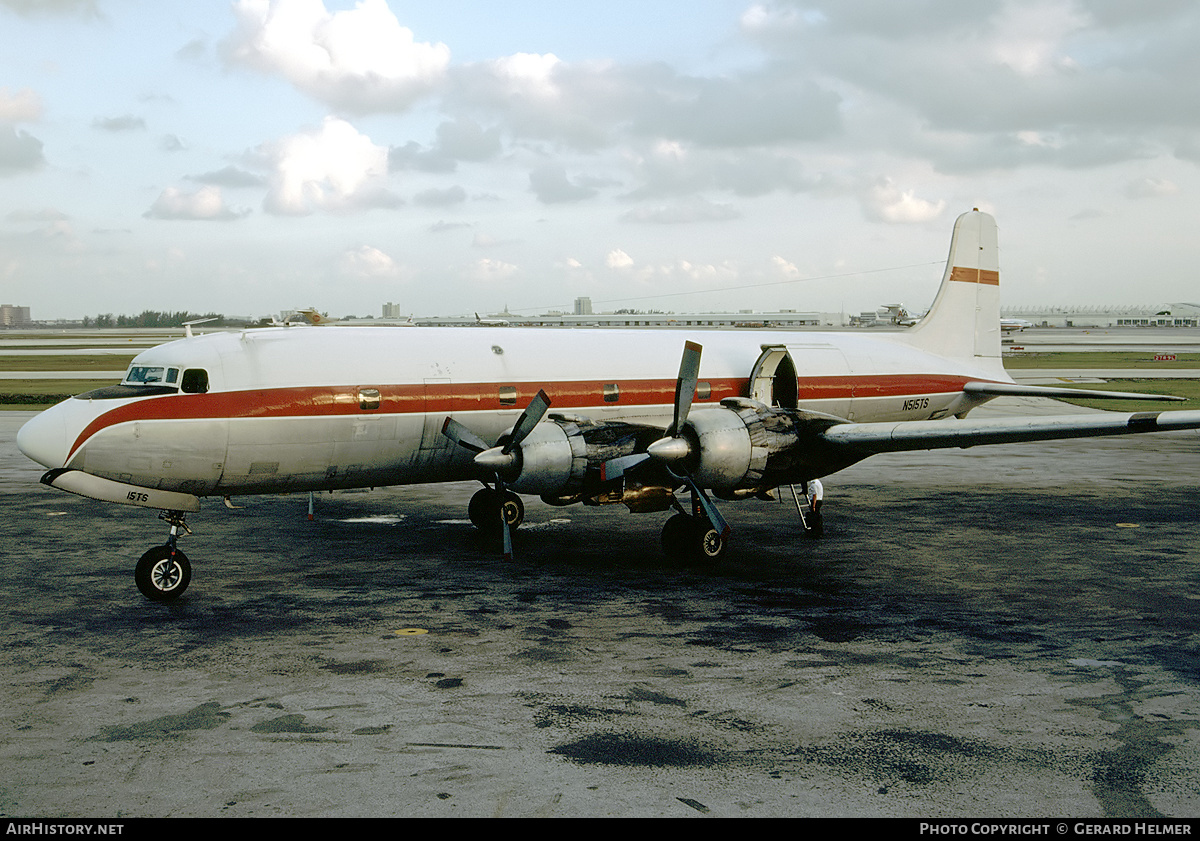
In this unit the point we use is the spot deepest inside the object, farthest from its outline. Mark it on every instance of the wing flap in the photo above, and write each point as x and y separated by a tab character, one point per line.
870	438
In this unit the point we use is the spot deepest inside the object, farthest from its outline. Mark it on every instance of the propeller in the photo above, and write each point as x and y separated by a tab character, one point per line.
674	449
501	458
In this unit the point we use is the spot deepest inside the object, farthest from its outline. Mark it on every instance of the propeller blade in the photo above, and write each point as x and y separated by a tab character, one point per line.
508	546
531	417
685	386
462	436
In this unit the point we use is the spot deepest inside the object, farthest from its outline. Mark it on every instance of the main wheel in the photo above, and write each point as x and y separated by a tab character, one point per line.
160	577
484	510
676	536
692	540
709	545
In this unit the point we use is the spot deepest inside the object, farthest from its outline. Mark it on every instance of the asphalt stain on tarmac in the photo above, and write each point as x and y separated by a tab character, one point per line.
1119	777
633	750
204	717
914	757
293	723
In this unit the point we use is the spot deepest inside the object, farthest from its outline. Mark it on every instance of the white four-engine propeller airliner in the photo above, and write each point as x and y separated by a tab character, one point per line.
319	408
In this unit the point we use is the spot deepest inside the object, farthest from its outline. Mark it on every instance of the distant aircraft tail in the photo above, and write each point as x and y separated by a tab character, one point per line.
964	321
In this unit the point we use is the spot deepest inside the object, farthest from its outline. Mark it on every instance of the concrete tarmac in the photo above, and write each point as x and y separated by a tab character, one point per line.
1007	631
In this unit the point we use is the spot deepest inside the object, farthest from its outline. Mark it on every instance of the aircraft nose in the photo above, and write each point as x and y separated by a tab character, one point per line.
44	439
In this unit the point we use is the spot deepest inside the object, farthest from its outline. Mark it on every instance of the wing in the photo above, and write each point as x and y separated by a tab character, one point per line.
870	438
1016	390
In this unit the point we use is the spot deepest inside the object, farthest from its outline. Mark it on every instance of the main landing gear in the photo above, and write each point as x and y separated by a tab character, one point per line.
485	507
164	572
699	538
692	540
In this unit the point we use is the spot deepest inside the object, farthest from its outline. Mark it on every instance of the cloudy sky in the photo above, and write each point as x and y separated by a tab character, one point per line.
260	155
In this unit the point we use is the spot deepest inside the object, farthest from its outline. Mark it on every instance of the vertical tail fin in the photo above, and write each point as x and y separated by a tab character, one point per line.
964	321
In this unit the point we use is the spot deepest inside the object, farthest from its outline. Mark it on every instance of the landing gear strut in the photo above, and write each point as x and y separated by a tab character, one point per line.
163	573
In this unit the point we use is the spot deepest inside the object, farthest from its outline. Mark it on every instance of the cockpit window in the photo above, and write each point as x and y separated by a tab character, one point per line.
151	375
195	381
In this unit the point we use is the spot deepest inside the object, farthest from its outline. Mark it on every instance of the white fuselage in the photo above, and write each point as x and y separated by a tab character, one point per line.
311	408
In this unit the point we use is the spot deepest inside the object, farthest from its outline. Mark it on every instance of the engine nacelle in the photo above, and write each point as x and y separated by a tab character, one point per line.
744	444
551	460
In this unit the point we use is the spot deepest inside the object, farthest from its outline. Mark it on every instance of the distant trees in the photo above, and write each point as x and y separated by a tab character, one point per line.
151	318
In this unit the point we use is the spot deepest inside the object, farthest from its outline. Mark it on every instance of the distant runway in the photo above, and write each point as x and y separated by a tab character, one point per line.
1006	631
1157	339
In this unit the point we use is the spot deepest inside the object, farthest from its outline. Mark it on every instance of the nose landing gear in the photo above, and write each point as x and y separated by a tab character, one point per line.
163	573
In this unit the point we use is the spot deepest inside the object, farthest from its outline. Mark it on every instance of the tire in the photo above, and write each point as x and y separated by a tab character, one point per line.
158	578
483	510
479	510
692	540
676	537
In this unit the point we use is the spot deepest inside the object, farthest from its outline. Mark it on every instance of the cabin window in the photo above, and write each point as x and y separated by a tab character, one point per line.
611	393
195	381
368	399
508	395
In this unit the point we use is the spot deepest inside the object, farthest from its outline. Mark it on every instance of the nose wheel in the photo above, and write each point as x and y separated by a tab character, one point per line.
164	572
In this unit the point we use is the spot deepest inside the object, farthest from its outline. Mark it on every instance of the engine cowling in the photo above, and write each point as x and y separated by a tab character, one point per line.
552	459
742	445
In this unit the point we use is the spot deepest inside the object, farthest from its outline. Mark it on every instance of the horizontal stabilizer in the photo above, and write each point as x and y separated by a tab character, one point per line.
870	438
1016	390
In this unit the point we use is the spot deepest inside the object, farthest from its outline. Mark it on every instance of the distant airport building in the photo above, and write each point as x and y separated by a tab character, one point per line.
11	316
391	310
746	318
583	306
1166	315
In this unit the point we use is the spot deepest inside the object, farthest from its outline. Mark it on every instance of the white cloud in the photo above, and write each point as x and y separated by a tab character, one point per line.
19	151
360	59
334	168
206	204
87	8
695	209
886	202
490	270
551	185
1147	188
1031	39
126	122
438	197
785	268
369	262
23	106
618	259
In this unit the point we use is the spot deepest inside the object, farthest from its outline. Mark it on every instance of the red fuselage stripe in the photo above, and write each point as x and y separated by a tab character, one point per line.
448	398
